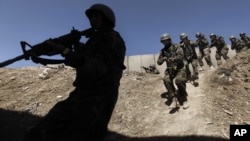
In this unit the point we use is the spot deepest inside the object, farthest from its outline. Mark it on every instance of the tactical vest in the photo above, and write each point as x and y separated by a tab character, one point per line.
170	52
203	44
188	51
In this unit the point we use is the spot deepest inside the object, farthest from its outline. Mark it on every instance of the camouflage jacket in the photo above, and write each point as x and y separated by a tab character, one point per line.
237	45
202	43
189	49
219	43
172	55
246	40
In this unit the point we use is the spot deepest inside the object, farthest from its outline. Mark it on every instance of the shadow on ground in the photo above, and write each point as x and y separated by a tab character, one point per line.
14	125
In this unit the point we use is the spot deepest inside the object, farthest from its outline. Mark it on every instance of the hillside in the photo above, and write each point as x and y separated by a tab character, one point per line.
141	114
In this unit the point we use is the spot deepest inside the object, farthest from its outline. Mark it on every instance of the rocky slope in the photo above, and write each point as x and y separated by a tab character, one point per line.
222	98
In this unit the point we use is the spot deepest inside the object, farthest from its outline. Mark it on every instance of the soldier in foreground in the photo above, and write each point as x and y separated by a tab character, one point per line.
85	114
204	50
221	48
173	55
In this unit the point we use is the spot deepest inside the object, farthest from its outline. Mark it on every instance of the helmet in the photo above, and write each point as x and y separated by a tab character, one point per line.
183	36
242	34
212	36
232	38
108	12
198	34
165	36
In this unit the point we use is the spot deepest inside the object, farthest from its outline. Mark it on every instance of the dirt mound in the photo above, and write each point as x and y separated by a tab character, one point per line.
228	92
221	99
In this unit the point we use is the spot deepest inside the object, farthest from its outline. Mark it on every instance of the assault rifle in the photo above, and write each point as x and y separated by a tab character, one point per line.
171	67
70	40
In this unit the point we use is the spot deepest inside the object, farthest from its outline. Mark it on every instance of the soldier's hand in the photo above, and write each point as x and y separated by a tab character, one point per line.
170	59
182	44
165	58
54	46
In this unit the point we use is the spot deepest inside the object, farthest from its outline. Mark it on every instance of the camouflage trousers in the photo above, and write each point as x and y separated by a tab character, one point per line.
205	54
194	64
82	116
223	53
179	78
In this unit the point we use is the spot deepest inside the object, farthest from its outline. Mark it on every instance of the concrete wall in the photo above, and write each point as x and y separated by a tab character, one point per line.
134	63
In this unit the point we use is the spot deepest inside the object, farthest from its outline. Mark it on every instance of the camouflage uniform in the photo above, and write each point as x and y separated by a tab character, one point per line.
221	48
245	39
85	114
190	56
237	45
172	54
204	50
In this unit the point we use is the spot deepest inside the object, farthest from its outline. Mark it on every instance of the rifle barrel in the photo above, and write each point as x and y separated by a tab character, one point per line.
10	61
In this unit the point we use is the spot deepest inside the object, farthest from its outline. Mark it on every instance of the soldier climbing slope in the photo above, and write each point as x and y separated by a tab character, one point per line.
245	39
190	57
237	44
221	47
172	54
204	50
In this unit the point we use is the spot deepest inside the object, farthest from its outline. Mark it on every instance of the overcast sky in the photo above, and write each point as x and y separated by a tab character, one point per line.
140	22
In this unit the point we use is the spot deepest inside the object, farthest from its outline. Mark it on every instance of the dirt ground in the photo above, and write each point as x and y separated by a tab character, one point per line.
141	114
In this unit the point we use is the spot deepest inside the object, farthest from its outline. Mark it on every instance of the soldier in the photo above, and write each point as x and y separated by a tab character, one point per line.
237	44
85	114
151	69
245	39
204	50
190	57
173	55
221	47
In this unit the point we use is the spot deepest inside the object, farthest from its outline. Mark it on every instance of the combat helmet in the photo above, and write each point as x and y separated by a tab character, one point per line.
242	34
212	36
198	35
183	36
165	36
232	38
107	11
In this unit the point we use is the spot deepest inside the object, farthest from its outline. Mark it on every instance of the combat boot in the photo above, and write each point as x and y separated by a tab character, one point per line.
174	104
196	83
211	67
185	105
170	99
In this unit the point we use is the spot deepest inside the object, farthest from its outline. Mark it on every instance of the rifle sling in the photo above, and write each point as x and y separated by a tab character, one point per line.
45	61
